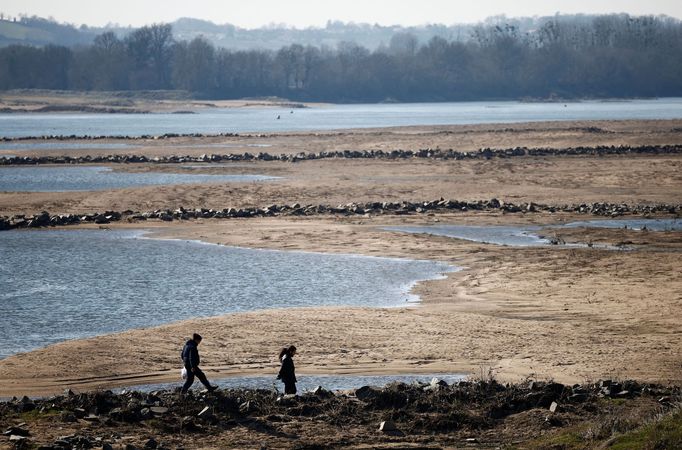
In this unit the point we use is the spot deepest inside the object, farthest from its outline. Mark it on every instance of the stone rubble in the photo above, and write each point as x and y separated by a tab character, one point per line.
401	409
429	153
45	219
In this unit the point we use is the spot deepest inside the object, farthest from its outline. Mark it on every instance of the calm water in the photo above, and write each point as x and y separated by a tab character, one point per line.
99	178
70	145
68	284
63	146
308	382
332	117
528	235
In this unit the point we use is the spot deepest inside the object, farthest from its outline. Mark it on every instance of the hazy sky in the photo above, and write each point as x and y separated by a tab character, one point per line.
304	13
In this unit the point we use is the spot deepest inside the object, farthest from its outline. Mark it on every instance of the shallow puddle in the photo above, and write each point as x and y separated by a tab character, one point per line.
532	235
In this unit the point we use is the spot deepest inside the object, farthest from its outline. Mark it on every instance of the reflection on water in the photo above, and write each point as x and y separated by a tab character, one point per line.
529	235
67	284
99	178
308	382
241	120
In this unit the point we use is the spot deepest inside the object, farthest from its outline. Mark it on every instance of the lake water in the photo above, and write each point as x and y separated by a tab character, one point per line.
331	117
61	145
529	235
98	178
69	284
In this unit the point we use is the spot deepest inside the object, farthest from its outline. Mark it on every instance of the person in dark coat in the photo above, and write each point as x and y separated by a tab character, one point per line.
287	372
191	360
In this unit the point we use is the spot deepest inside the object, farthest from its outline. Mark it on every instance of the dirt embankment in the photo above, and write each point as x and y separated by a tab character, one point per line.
484	414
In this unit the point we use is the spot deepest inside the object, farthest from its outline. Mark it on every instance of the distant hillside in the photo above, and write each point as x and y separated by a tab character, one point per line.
274	38
38	31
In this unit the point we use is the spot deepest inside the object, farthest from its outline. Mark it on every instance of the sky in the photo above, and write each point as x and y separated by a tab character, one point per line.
306	13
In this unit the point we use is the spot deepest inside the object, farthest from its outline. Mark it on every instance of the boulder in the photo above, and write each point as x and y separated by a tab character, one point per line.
158	410
389	427
366	393
205	413
322	392
16	431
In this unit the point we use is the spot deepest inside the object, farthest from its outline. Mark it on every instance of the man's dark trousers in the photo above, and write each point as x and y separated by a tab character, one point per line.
190	379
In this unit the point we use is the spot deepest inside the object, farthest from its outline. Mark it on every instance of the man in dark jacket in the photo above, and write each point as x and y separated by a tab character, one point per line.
190	357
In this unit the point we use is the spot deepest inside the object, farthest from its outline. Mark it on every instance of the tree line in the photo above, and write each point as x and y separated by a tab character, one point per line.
564	57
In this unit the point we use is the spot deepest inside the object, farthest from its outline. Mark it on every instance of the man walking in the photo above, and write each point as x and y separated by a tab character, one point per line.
190	357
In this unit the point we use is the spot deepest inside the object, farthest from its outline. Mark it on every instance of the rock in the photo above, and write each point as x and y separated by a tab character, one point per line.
16	431
286	399
365	393
435	385
322	392
205	413
247	407
68	417
151	443
188	424
578	398
158	410
553	407
389	427
146	413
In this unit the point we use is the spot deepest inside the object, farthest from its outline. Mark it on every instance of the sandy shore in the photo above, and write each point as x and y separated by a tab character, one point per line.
37	101
565	314
572	315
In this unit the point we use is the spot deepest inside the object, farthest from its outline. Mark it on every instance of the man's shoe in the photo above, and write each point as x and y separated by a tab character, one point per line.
212	388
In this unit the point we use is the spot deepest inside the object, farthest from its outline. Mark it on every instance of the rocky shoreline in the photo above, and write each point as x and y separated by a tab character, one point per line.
437	154
433	414
45	219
